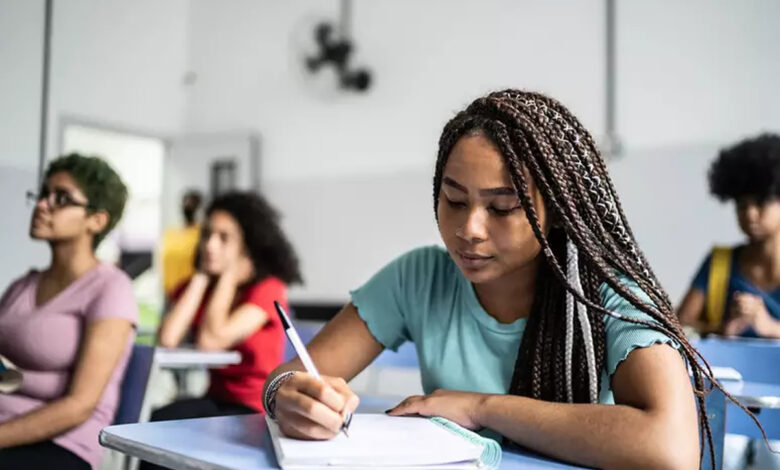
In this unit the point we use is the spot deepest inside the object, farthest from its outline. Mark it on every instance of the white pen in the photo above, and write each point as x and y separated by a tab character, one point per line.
300	350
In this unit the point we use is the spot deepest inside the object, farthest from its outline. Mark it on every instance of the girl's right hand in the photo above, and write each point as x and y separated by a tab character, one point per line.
307	408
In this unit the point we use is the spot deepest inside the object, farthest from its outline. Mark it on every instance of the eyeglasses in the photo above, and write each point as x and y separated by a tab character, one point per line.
56	199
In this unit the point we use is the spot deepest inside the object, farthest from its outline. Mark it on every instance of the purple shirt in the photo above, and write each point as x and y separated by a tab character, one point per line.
43	341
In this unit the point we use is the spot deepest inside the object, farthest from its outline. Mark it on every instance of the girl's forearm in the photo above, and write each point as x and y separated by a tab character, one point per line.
602	436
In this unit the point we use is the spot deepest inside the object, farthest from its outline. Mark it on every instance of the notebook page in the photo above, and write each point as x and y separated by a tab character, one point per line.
379	440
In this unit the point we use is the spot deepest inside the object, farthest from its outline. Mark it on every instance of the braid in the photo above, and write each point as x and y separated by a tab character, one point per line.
589	245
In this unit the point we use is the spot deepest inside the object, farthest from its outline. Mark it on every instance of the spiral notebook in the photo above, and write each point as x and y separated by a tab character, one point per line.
389	443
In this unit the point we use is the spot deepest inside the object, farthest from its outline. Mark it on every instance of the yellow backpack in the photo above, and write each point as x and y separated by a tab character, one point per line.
718	285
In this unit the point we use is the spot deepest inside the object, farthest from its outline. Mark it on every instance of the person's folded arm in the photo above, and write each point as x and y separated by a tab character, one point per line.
653	424
104	342
178	321
223	328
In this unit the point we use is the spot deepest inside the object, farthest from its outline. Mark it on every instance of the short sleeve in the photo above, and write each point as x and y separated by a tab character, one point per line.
264	293
14	289
384	301
622	336
114	299
701	280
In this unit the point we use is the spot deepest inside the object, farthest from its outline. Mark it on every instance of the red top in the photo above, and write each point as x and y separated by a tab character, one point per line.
261	352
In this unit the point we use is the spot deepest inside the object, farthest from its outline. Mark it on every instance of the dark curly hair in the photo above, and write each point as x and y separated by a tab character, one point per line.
270	251
750	168
102	185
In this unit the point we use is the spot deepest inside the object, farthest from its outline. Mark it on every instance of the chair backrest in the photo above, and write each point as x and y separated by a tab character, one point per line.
133	390
306	330
716	411
406	357
756	360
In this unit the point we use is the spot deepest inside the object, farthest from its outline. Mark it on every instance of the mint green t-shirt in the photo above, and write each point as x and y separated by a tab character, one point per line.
423	297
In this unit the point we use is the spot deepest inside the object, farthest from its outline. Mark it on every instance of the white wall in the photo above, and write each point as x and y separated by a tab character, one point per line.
116	63
345	228
21	31
429	60
665	195
21	27
351	173
692	76
121	63
697	72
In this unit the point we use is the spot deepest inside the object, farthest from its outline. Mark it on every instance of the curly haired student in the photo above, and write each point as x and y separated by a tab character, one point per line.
737	289
245	262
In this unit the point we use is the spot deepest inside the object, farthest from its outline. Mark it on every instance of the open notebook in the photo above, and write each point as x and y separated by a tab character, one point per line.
387	442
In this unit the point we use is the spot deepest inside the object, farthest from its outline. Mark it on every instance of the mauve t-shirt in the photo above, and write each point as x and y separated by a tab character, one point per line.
44	341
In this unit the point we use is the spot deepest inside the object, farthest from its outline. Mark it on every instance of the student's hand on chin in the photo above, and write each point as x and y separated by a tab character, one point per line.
462	408
240	270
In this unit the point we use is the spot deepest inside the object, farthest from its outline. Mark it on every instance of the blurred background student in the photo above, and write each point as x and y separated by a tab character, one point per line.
180	244
69	327
737	289
245	263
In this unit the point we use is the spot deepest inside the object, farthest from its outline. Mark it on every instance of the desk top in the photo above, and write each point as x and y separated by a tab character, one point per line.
233	442
187	358
754	394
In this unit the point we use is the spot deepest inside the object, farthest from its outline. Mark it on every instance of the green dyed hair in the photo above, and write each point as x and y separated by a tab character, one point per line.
102	185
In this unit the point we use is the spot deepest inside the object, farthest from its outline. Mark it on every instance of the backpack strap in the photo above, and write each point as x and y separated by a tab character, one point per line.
718	285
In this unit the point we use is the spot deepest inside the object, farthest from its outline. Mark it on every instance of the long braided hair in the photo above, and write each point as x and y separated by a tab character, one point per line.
589	244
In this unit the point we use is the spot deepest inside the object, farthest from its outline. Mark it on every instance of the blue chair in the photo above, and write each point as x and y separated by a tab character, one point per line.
307	331
133	390
716	411
756	361
406	357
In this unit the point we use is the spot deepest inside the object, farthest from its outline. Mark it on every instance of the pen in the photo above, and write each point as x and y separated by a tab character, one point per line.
300	350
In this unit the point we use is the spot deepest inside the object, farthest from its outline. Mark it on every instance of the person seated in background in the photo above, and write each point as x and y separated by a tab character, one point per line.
180	245
245	262
737	289
68	328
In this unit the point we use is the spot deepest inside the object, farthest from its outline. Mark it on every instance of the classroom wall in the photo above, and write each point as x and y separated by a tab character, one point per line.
692	77
120	63
20	70
429	59
116	63
696	72
665	196
351	173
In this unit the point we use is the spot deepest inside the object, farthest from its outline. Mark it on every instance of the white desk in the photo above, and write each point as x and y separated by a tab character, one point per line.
187	358
233	442
755	394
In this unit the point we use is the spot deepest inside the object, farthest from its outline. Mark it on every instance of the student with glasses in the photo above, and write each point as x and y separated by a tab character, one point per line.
69	328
